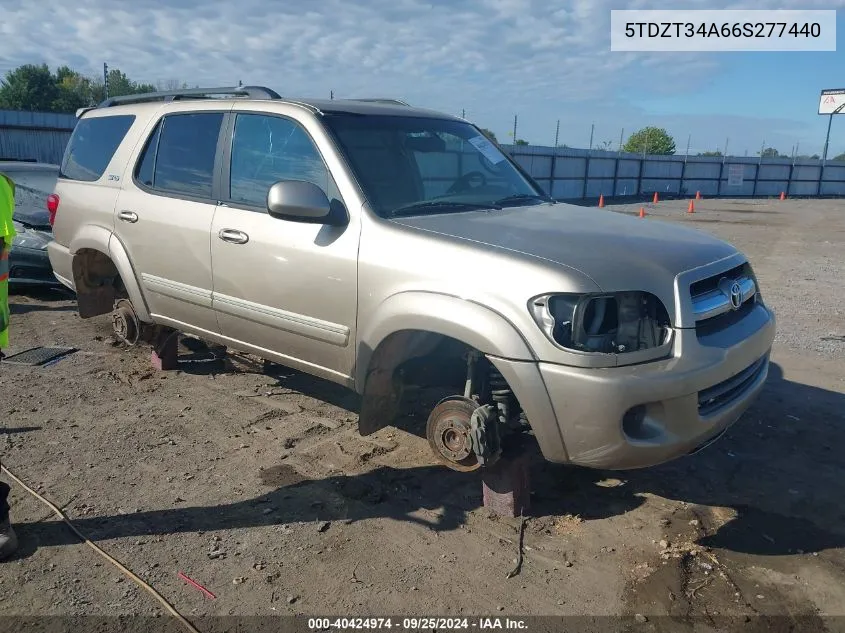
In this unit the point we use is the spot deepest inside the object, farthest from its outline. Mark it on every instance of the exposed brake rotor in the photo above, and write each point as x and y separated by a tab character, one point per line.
449	433
125	322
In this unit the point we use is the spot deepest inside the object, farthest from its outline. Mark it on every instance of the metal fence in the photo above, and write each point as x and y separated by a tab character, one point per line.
34	136
571	174
565	173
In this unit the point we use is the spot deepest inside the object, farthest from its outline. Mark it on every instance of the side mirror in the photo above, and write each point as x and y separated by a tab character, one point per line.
299	201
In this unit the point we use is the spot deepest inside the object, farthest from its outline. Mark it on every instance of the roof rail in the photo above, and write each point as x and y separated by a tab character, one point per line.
393	101
251	92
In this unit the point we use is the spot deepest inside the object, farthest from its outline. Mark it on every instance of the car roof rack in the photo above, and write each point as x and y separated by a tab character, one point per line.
251	92
393	101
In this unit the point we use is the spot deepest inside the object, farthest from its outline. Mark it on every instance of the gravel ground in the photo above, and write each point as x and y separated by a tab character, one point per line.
257	485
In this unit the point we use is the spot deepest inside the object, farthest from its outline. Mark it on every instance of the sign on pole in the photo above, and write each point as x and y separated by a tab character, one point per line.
831	101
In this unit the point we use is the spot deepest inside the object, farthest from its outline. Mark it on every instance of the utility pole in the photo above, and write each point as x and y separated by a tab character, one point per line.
689	140
106	79
727	140
514	129
557	133
621	138
331	95
827	138
592	129
463	113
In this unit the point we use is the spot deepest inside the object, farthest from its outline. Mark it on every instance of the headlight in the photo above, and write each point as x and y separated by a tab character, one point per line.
616	323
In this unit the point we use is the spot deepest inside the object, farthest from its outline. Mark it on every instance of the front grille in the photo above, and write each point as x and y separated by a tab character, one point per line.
727	392
712	283
722	300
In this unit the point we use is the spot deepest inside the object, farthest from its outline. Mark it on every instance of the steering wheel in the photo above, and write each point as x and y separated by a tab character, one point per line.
465	182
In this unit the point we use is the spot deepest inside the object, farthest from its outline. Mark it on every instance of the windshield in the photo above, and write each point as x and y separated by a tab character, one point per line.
418	165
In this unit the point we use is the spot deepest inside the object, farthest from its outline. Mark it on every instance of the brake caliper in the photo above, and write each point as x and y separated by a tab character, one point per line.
484	435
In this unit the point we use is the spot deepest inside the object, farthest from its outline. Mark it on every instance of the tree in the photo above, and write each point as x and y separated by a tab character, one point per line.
34	88
29	87
119	85
521	141
74	91
605	146
769	152
489	134
716	153
650	140
839	157
171	84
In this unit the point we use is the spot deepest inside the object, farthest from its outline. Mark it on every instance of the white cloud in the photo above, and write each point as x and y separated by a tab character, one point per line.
544	60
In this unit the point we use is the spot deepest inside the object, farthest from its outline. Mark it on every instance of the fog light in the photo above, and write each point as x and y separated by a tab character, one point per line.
632	422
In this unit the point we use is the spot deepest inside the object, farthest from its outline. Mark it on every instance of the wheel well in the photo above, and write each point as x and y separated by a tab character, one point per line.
411	360
98	282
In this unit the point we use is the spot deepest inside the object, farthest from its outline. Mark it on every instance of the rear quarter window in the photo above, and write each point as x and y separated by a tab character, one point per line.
92	145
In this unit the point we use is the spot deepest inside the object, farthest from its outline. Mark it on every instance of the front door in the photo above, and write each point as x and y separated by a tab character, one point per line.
164	215
288	290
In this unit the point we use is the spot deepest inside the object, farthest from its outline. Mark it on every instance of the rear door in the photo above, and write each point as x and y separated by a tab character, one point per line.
164	213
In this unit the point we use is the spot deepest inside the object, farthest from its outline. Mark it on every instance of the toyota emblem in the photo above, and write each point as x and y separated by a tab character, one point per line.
736	295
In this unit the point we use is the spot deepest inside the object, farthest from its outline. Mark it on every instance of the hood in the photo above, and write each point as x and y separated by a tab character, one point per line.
618	252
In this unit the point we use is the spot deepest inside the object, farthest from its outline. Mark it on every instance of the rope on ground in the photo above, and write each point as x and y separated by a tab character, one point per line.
519	546
190	627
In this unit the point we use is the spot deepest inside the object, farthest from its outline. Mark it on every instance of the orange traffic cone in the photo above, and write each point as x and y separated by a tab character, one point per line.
783	195
655	198
642	212
601	201
691	207
698	195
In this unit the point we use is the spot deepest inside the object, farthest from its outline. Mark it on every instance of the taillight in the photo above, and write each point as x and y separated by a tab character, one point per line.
52	207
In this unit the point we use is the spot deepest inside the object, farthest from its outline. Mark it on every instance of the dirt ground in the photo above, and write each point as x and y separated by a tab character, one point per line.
258	486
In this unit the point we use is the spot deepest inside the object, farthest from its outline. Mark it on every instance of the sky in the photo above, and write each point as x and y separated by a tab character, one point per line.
542	61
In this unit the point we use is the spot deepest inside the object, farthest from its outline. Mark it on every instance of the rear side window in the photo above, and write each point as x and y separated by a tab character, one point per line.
92	145
179	155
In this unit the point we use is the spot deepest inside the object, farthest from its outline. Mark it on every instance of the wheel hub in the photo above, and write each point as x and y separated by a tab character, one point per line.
448	431
125	322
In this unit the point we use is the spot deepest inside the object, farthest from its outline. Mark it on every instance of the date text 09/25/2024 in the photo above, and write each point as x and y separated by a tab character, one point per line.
416	624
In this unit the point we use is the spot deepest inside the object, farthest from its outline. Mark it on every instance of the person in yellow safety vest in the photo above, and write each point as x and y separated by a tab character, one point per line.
8	540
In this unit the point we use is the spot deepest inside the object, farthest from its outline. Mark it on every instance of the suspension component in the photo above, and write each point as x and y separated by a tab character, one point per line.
507	406
471	387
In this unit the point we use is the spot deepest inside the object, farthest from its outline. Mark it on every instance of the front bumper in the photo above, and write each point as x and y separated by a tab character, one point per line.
685	401
30	267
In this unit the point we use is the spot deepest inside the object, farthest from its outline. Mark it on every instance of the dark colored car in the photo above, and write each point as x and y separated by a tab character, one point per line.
29	264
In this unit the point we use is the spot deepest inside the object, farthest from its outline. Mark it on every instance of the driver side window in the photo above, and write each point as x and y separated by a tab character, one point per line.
267	149
441	170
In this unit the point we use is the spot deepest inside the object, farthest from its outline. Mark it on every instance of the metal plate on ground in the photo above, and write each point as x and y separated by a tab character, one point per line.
36	356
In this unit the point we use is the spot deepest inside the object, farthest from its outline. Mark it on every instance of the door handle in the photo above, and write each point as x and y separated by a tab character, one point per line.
233	236
128	216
